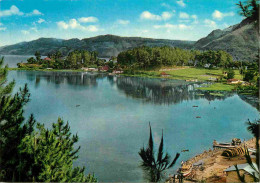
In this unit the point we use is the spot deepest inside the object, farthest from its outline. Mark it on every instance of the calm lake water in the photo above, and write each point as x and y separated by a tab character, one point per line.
114	112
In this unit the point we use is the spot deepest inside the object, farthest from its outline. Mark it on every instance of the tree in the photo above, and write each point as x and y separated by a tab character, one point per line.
51	154
250	9
249	75
38	56
230	74
153	169
12	127
254	128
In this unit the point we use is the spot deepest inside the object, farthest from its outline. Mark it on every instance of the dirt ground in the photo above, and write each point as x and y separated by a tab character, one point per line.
212	169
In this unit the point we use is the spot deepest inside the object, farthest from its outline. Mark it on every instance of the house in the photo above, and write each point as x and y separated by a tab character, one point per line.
244	169
47	59
92	69
233	81
84	68
118	71
104	68
164	74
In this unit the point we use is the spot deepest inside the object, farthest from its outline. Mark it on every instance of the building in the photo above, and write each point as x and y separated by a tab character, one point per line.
47	59
164	74
244	169
233	81
118	71
104	68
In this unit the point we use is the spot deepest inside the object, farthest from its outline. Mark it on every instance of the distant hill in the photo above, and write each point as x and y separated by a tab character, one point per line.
240	40
106	45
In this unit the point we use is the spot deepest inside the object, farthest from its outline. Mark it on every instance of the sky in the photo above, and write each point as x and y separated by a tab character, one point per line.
26	20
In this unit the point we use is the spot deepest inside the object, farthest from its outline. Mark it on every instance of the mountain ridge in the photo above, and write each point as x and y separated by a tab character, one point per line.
240	40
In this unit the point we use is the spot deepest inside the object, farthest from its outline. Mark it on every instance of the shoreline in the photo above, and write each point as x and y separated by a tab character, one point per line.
214	86
210	165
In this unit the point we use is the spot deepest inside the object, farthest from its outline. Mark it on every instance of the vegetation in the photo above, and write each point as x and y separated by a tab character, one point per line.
254	128
75	60
154	168
147	58
29	154
249	9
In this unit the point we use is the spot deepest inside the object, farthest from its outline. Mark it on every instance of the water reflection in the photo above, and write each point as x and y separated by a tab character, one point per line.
158	91
155	91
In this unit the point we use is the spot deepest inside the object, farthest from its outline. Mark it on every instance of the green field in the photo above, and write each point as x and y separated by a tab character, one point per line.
187	73
218	87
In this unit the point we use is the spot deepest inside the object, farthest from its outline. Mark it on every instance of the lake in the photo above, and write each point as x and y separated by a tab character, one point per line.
114	112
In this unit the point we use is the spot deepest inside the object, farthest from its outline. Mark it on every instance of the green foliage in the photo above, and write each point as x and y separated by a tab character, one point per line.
230	74
51	153
146	57
249	75
153	168
37	56
30	155
249	9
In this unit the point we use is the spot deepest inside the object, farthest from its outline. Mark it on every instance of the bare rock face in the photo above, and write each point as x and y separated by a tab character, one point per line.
241	41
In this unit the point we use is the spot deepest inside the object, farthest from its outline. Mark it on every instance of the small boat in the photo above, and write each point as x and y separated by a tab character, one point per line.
185	170
198	117
222	145
195	106
185	150
77	105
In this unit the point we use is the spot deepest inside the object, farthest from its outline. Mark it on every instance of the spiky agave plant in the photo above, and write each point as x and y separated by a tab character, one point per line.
153	168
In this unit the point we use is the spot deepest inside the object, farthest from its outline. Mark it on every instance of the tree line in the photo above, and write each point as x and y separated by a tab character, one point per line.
147	57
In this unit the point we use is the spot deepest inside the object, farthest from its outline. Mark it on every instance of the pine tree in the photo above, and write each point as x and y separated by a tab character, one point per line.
52	153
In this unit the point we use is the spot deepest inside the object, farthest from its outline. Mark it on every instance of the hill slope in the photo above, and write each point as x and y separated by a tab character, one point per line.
240	40
106	45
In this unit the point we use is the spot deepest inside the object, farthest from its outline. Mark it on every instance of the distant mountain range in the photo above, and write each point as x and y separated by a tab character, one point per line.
106	45
240	40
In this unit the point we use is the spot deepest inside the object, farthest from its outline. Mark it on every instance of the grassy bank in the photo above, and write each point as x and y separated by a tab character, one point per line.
185	73
218	87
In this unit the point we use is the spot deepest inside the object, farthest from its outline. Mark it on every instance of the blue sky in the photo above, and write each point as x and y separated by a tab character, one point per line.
25	20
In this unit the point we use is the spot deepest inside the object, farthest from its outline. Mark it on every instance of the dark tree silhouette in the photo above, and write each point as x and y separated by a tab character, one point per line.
250	9
153	169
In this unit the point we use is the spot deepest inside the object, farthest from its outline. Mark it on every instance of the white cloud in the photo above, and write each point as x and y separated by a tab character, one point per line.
181	3
184	15
88	19
219	15
146	15
74	24
195	19
25	32
210	23
12	11
40	21
172	26
166	15
62	25
2	28
123	22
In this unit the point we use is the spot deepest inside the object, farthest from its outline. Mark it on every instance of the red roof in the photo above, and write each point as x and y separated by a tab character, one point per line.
232	80
47	58
164	73
105	68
